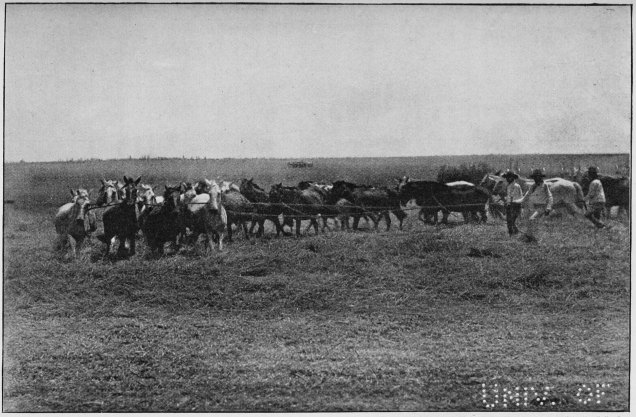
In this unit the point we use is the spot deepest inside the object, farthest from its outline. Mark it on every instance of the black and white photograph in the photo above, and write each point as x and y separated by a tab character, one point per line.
316	207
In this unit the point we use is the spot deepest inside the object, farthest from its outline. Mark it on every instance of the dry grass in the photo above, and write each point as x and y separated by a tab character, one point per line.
369	321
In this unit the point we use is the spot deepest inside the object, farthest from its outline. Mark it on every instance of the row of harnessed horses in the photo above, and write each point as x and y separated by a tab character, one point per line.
209	209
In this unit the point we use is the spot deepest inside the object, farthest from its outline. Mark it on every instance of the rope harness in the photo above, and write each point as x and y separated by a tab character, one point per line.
290	206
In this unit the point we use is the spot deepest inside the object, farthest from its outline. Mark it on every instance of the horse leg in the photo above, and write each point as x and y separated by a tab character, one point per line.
132	243
261	227
314	223
247	234
73	244
260	222
229	229
274	219
356	221
401	216
484	215
209	243
298	221
387	217
108	245
324	224
221	236
60	242
79	241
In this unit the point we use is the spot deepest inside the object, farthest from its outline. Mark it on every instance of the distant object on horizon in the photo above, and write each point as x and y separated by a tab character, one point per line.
300	164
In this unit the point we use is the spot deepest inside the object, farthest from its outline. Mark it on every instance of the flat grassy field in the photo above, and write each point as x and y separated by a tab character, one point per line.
430	318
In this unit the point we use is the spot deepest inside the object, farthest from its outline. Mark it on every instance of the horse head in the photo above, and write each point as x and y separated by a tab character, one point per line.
130	190
227	186
343	189
402	182
146	195
108	192
79	193
203	186
214	191
187	192
83	219
172	197
276	193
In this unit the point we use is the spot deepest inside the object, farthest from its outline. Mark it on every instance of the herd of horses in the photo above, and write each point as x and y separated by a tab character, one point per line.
187	212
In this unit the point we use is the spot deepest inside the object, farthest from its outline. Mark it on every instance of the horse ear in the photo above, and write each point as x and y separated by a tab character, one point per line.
166	187
126	179
103	181
137	180
72	192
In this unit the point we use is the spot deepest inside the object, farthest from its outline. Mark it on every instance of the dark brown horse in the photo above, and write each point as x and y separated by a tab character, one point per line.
375	202
164	223
120	220
265	209
435	196
616	191
298	204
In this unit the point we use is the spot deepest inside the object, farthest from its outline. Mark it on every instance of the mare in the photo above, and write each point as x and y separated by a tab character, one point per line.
239	210
298	204
146	200
120	220
110	192
435	196
265	209
205	215
146	193
329	209
74	222
367	199
164	223
229	186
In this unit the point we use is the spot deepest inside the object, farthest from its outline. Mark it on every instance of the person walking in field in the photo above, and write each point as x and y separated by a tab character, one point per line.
539	200
513	192
595	198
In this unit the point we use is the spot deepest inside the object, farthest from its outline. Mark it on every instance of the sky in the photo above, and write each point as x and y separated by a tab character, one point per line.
308	81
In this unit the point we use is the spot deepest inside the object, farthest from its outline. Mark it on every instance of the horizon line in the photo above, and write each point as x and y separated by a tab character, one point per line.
298	158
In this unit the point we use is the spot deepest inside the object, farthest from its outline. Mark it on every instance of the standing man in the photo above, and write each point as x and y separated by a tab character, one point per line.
595	198
539	199
513	192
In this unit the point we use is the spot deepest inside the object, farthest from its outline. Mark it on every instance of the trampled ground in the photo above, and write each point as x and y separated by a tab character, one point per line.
428	318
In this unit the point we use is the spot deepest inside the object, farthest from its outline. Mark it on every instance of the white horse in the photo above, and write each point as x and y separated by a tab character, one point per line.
206	215
226	186
146	194
110	192
74	222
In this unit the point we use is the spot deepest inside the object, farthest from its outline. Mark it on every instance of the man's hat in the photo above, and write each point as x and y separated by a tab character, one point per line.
592	170
510	174
537	173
